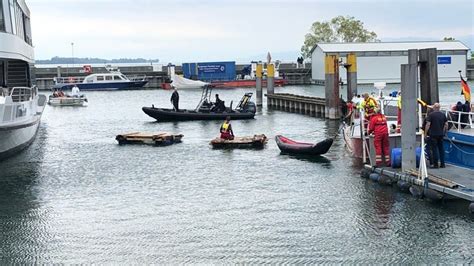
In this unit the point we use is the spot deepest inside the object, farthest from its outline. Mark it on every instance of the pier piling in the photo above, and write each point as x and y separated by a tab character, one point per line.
332	87
351	66
258	83
270	78
429	75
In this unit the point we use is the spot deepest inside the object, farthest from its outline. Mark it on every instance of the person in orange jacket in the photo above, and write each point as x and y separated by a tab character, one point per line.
378	126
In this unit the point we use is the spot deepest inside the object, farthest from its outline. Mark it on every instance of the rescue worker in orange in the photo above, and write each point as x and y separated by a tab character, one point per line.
399	113
226	130
378	126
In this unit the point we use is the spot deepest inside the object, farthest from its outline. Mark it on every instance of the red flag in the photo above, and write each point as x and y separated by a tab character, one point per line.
465	90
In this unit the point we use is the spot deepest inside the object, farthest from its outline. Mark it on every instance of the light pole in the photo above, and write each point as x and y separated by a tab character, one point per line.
72	49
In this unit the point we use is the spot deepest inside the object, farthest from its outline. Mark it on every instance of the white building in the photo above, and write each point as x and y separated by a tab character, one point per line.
380	61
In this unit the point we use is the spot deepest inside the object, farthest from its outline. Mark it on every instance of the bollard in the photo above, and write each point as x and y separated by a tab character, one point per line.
270	78
258	83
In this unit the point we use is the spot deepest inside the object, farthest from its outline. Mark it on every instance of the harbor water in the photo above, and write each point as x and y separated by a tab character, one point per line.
76	196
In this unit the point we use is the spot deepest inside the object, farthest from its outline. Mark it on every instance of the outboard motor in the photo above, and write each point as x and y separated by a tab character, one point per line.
250	107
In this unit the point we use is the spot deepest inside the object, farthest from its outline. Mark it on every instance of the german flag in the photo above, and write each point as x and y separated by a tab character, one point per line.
465	90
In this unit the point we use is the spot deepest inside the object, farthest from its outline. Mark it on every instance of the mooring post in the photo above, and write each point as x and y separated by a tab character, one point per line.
270	78
409	86
429	75
258	83
332	87
351	75
58	72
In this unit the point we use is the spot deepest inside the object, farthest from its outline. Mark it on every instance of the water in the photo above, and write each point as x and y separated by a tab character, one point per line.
75	196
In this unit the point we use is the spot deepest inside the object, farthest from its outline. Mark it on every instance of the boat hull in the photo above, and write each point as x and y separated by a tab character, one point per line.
18	137
67	101
162	114
294	147
459	149
103	85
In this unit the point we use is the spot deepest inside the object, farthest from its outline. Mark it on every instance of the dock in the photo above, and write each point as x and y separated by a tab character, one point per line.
312	106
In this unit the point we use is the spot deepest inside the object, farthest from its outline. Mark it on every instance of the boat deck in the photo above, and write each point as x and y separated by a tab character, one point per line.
463	177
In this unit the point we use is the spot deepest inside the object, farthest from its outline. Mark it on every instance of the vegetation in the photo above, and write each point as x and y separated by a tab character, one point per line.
338	29
87	60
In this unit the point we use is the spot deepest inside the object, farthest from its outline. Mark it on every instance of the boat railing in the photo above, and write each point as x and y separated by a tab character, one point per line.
21	94
459	119
68	80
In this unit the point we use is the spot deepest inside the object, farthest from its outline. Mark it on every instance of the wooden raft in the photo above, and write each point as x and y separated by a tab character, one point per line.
436	179
255	141
157	139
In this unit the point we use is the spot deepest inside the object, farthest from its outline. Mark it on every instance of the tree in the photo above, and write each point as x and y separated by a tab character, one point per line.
448	39
338	29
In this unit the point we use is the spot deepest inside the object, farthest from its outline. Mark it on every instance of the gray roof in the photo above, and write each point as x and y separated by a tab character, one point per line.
389	46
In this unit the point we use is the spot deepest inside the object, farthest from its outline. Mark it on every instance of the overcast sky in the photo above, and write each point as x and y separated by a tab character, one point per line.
204	30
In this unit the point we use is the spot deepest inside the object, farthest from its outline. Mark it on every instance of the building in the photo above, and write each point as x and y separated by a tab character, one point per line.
380	61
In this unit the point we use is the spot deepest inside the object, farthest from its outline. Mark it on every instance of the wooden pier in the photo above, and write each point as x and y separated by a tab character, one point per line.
312	106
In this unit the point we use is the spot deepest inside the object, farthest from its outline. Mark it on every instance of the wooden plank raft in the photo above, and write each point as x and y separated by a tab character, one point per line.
255	141
157	139
436	179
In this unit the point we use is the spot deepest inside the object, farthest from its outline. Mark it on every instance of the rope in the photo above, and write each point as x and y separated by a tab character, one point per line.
465	152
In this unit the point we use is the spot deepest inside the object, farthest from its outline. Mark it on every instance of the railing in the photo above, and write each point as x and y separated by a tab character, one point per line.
459	119
68	80
21	94
137	78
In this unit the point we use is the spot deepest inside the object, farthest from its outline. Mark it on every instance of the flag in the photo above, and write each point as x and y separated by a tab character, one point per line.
465	90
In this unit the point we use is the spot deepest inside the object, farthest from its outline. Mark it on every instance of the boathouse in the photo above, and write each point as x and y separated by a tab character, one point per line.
380	61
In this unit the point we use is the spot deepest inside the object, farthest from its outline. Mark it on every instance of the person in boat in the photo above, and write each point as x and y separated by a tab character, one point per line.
175	99
369	105
378	127
226	129
219	105
75	91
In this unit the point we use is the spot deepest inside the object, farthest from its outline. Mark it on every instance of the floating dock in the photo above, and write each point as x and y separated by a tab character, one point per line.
452	182
157	139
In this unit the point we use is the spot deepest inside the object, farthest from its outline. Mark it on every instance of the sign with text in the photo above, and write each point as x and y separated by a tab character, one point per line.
211	68
444	60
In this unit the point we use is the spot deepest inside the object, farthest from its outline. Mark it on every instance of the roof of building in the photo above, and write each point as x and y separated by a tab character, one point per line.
389	46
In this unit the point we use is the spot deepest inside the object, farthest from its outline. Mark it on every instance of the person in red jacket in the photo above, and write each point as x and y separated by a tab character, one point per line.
378	126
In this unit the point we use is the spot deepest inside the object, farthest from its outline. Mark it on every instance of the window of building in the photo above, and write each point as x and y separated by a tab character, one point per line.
2	21
383	53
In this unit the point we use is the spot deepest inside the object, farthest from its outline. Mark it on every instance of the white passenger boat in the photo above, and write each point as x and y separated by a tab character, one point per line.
21	106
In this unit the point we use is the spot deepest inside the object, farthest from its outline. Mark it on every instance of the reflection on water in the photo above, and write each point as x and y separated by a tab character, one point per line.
76	196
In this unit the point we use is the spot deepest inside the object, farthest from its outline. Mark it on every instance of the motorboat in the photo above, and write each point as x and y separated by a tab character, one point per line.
114	80
205	110
21	107
58	98
287	145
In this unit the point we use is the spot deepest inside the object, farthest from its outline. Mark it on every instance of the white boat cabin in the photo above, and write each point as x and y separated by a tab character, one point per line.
106	78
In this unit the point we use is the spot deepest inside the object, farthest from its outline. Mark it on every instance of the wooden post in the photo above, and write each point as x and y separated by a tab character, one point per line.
409	78
332	87
258	84
429	75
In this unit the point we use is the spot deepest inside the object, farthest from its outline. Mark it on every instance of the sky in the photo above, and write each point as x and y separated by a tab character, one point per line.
204	30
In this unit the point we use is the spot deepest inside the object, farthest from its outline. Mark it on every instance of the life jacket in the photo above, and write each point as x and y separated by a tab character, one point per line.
369	105
225	127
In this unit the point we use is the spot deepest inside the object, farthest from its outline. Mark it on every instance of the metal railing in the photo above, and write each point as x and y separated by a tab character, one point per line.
459	119
68	80
21	94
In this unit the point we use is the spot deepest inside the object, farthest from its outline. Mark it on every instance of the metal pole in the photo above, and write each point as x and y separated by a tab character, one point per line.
409	78
258	83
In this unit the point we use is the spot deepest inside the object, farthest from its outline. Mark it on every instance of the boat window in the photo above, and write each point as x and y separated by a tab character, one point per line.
117	78
99	78
2	21
123	77
108	77
90	79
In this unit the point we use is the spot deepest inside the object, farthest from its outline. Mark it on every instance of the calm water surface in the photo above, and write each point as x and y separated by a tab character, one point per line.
75	196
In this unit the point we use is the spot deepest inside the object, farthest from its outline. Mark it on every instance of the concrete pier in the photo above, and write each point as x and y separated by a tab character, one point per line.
312	106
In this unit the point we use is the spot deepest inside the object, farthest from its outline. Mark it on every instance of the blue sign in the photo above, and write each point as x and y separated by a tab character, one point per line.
444	60
211	68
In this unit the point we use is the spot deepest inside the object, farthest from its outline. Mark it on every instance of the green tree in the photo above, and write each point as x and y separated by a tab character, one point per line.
338	29
448	39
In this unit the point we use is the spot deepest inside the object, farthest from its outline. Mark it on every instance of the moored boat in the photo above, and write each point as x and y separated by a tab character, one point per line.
255	141
287	145
103	81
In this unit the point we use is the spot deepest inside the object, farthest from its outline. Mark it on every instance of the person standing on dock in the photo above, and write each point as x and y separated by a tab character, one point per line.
378	126
436	128
226	130
175	99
